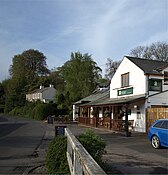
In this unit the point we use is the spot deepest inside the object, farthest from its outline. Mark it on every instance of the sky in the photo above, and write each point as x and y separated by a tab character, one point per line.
101	28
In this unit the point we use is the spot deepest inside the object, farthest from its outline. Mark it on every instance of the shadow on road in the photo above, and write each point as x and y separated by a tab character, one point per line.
8	128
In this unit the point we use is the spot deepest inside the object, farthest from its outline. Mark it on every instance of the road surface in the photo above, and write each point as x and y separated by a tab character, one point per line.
19	141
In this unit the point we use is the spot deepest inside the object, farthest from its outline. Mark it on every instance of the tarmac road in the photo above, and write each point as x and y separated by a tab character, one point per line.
130	155
19	141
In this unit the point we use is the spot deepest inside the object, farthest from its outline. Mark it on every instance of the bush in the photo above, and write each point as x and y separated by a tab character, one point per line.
41	111
93	144
56	160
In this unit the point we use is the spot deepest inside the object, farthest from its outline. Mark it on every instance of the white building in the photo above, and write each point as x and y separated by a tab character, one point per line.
143	84
44	94
139	85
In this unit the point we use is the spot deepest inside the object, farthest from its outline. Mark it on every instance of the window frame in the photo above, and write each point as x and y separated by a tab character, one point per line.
125	79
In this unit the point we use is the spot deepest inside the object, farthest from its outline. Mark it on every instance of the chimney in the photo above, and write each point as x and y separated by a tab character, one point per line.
41	87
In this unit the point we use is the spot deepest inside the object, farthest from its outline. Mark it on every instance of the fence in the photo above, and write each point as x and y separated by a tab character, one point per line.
105	122
153	114
79	160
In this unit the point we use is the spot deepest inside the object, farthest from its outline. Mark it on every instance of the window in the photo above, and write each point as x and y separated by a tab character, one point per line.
166	78
125	80
165	125
158	125
155	84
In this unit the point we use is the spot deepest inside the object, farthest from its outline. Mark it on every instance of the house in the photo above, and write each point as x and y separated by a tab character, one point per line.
44	94
139	88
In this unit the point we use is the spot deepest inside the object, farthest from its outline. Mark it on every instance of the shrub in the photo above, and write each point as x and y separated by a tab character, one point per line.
41	111
93	144
56	160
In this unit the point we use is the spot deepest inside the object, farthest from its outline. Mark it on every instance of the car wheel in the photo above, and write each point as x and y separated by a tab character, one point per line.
155	142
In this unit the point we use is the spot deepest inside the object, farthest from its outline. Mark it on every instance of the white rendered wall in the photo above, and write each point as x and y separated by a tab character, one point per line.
165	87
137	79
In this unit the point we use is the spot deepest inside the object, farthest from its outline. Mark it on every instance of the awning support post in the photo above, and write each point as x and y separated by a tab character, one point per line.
126	122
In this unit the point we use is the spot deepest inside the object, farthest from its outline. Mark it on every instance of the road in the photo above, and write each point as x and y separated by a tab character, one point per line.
19	141
130	155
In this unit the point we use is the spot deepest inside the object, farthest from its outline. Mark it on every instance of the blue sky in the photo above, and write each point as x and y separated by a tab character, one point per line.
102	28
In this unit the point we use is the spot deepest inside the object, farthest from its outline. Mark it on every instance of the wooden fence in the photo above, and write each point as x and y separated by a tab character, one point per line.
104	122
153	114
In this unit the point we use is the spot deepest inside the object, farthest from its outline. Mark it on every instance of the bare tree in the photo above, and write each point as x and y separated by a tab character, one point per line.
155	51
111	67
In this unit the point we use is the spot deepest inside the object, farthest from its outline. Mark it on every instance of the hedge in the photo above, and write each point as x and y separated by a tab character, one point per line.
56	160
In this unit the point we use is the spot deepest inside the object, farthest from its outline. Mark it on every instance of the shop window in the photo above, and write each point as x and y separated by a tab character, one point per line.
125	80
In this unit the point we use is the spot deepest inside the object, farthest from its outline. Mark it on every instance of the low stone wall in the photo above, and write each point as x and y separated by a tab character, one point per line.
79	160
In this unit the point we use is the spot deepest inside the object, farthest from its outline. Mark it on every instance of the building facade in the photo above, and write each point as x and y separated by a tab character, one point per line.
137	86
44	94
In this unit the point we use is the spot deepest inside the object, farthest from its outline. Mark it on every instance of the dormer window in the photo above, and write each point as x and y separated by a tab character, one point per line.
125	80
166	78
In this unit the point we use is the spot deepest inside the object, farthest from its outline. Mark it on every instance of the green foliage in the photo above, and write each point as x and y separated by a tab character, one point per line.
56	79
93	144
56	160
41	111
63	101
28	66
27	71
81	75
2	98
37	110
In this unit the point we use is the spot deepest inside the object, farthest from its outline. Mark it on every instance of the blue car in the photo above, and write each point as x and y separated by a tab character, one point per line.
158	133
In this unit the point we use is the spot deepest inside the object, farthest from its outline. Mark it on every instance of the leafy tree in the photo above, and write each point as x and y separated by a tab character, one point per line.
14	94
2	98
28	67
155	51
27	72
57	80
81	75
111	67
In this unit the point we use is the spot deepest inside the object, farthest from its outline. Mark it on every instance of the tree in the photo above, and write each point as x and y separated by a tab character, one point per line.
28	67
27	71
57	80
155	51
2	98
81	75
111	67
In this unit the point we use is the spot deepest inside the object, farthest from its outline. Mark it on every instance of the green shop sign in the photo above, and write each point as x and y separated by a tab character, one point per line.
125	91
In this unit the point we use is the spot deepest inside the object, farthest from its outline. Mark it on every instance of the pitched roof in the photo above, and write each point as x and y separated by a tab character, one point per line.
39	90
113	101
149	66
95	96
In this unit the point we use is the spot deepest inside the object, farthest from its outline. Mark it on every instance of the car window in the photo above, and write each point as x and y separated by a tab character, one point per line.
158	124
164	125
